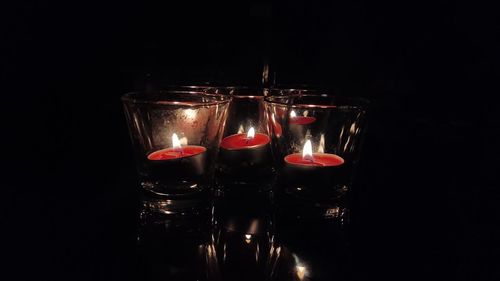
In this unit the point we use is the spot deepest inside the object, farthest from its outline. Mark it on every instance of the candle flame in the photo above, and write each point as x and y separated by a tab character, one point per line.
293	114
176	143
248	238
307	151
251	133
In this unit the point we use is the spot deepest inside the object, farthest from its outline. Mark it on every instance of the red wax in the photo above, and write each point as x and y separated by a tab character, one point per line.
241	141
319	160
176	153
302	120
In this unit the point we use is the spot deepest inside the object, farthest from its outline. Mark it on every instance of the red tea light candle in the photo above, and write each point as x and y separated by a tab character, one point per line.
309	159
176	151
178	160
250	140
245	149
309	173
301	120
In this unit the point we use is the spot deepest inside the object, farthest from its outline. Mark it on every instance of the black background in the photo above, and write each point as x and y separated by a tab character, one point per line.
426	202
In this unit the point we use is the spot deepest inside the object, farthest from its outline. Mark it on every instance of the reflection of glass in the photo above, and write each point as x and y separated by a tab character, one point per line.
241	240
311	249
176	135
244	239
176	248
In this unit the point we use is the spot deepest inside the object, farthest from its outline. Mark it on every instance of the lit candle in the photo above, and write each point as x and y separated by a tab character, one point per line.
249	150
309	159
313	173
176	151
185	162
250	140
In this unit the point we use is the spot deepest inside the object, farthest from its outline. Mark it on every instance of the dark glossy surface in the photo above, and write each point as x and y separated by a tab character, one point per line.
242	236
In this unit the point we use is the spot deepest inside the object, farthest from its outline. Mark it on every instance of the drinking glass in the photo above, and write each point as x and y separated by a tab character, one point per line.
245	160
176	135
316	140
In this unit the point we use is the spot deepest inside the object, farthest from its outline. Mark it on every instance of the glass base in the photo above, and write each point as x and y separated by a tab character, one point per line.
176	206
173	190
228	185
292	206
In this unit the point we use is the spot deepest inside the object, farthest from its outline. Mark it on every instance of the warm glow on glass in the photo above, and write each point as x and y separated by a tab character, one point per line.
353	128
176	143
301	271
190	113
251	133
307	152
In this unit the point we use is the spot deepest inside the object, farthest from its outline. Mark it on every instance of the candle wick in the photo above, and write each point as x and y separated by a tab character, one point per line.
314	162
309	158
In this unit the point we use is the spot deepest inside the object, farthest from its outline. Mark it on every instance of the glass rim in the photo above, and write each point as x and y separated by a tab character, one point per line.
353	102
242	91
138	97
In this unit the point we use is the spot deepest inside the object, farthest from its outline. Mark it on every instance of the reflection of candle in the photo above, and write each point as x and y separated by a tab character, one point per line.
182	161
248	238
301	272
301	120
176	151
248	149
308	158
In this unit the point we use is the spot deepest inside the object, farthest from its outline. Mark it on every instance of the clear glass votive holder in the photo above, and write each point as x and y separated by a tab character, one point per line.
245	159
176	136
315	139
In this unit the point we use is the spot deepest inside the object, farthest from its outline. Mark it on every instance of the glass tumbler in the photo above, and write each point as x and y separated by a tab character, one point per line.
245	161
316	141
176	136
